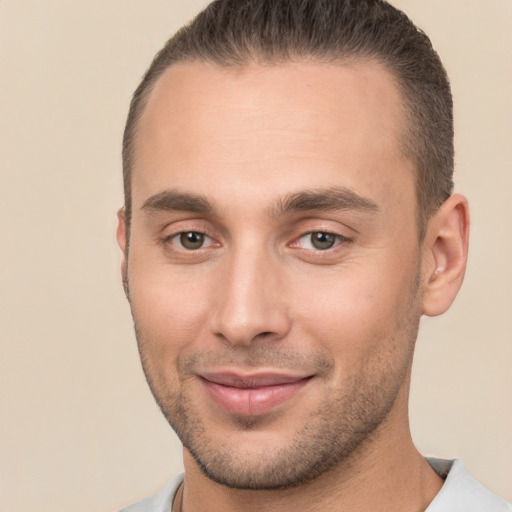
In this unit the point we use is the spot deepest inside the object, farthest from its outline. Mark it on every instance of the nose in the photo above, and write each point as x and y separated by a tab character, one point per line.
249	301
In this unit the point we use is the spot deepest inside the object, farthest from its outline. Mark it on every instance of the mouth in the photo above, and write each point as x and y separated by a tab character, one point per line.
251	394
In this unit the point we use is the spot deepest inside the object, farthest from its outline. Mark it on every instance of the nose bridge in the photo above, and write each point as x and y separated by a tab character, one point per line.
247	302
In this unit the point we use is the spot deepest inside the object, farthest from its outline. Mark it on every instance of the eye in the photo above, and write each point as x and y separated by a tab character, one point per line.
319	240
191	240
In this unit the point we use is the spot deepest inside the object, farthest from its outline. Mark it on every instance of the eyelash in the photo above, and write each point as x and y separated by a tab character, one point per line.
174	240
170	239
338	240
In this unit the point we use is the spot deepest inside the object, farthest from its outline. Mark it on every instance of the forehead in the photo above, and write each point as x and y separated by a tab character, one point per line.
205	125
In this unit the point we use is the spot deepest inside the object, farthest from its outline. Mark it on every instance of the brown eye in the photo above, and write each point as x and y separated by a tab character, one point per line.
191	240
319	240
322	240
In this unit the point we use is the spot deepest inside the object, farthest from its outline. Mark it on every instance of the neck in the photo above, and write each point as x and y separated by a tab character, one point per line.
387	473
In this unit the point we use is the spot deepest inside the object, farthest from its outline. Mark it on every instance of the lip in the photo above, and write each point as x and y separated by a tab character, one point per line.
251	394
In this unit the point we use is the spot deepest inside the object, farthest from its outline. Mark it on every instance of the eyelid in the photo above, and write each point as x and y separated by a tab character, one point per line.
177	237
339	239
168	234
173	239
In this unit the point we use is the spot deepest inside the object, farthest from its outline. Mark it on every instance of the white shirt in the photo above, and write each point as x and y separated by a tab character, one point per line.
460	493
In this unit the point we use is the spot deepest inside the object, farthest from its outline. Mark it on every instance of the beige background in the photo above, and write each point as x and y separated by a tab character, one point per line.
78	428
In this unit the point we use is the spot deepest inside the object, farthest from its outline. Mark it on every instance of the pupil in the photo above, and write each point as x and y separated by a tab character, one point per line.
323	240
192	240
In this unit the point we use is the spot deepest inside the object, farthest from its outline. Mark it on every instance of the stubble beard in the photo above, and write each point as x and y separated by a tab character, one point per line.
344	423
326	441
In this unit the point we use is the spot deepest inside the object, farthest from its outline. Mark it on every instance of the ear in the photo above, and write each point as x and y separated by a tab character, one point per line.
445	252
121	235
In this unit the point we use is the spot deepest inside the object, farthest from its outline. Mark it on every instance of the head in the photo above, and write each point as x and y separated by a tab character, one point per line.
286	198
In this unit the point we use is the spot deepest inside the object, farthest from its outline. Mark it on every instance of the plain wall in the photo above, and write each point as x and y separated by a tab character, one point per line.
78	428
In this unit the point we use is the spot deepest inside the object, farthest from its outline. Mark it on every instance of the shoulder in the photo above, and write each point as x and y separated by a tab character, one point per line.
161	502
461	492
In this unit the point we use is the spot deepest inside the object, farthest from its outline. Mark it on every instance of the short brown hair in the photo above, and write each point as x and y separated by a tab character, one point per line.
235	32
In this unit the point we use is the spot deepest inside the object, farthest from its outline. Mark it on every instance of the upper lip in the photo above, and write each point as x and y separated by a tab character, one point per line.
251	380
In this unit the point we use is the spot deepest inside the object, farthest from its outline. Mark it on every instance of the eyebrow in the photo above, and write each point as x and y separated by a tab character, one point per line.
172	200
325	199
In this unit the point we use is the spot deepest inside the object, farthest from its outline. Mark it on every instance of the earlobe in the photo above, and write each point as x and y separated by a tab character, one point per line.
122	243
445	255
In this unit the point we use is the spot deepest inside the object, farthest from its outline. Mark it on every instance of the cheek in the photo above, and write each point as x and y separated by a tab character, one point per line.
354	313
169	309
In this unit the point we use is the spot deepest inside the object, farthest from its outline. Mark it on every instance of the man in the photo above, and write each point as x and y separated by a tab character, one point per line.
288	218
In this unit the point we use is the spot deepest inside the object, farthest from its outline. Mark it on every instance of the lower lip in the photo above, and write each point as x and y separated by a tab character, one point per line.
252	401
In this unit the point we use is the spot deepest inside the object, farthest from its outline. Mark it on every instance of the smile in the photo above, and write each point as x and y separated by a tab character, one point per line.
251	395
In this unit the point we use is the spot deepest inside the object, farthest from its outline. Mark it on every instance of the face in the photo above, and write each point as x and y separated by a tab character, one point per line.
273	269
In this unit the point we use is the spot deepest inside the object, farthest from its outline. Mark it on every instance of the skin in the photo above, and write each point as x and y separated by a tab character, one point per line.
257	159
